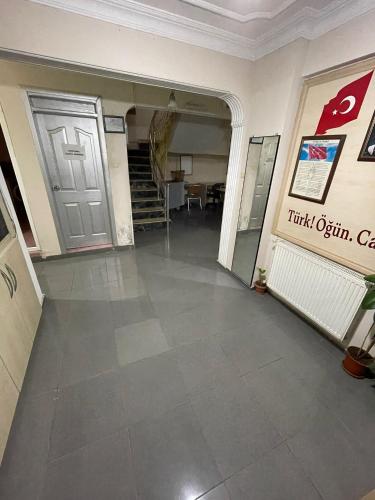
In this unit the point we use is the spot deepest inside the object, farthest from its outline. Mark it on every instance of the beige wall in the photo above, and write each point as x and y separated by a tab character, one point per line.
350	201
52	33
206	168
14	79
117	98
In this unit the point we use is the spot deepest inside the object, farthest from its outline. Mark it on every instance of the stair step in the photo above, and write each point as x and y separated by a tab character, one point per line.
141	180
150	220
141	190
151	198
147	209
140	173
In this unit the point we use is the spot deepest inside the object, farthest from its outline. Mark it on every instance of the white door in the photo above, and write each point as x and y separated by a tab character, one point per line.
263	181
71	149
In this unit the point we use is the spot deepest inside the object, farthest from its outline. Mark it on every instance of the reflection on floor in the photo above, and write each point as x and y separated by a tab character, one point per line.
159	376
245	254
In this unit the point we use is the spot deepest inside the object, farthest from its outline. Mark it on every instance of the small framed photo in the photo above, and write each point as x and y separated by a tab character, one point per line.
367	152
186	163
315	167
256	140
114	124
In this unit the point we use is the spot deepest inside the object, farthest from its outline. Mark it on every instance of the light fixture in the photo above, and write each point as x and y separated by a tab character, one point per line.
172	104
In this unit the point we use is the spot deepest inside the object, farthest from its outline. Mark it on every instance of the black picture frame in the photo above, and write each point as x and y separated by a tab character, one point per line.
364	154
111	128
317	138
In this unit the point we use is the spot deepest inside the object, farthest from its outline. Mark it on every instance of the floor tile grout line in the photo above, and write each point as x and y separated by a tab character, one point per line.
307	475
53	460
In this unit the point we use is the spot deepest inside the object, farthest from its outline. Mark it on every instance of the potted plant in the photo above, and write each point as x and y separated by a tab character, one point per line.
261	284
358	359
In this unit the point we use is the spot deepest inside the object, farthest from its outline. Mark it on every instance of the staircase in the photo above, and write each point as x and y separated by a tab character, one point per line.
148	203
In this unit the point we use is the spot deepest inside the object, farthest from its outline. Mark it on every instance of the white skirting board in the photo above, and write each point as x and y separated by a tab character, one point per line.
325	292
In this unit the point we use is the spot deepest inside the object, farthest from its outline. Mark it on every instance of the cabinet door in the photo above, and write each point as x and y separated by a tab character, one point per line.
24	295
15	339
8	401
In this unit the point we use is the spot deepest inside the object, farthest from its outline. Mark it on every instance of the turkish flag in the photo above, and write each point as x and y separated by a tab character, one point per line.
345	106
317	152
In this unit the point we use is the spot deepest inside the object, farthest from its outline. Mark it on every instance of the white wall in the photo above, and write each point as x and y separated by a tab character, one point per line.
139	124
207	169
200	135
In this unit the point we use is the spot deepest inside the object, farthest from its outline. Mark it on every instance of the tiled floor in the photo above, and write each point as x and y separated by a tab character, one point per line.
157	376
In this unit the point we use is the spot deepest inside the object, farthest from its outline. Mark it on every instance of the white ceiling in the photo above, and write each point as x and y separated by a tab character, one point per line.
244	28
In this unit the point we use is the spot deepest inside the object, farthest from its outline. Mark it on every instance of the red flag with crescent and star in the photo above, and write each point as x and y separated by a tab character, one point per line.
345	106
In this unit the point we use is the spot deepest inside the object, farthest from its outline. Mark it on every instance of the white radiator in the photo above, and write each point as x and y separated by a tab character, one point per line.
325	292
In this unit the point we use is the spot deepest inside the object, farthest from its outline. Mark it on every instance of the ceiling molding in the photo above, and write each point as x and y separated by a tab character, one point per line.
308	23
235	16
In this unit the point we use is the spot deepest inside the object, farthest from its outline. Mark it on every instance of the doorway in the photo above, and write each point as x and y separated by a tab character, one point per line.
15	193
68	134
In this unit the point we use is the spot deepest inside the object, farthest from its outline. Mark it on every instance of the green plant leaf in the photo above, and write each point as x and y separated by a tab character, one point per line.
370	278
368	301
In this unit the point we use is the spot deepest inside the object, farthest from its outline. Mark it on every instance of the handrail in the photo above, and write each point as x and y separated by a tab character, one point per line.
160	135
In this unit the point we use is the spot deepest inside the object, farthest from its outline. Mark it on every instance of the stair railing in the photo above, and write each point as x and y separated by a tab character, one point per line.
160	135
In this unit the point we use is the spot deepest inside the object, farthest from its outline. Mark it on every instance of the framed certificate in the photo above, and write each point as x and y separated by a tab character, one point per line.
114	124
317	159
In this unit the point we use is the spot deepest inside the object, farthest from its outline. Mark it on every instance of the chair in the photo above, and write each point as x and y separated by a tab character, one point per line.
194	192
217	195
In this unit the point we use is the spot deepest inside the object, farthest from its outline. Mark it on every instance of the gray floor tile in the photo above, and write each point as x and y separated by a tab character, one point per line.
332	458
55	317
90	277
128	287
57	286
126	312
86	356
189	326
288	403
86	412
253	346
151	387
44	368
140	340
202	364
90	317
99	471
22	487
276	476
22	467
192	416
236	428
171	457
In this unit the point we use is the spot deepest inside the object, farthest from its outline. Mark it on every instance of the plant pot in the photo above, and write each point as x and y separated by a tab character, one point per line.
355	366
178	175
260	287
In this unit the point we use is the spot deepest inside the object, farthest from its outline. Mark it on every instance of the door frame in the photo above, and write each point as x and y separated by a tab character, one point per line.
251	284
98	115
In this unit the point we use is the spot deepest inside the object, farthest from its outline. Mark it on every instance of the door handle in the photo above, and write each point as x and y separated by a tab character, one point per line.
56	187
13	276
7	282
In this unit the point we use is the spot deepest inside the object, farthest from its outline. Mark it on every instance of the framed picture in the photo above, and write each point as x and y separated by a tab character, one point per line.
186	163
316	163
367	152
114	124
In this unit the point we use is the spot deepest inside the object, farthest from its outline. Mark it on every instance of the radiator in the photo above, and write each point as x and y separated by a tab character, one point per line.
325	292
